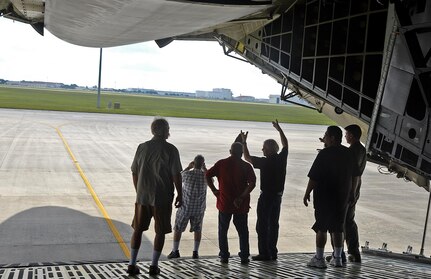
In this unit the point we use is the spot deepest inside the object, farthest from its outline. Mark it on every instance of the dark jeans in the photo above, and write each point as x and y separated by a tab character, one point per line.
241	225
351	231
268	214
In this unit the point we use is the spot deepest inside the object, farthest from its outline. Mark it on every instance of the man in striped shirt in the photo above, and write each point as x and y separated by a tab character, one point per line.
193	207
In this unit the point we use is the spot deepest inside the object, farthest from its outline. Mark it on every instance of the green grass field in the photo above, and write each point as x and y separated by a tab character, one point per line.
81	101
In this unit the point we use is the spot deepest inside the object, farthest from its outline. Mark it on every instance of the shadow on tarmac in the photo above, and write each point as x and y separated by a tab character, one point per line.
61	234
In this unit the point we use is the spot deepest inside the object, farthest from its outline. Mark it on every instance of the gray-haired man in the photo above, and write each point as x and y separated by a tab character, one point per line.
156	169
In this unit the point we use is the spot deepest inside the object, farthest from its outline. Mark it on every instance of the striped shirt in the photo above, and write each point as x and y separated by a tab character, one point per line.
194	192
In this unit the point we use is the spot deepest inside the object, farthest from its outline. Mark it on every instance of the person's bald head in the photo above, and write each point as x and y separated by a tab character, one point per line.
236	149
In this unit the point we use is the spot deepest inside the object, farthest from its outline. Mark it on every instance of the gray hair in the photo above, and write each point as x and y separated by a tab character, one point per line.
272	144
160	127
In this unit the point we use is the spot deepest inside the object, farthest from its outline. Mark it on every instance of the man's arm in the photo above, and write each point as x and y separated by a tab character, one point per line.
179	186
311	184
237	202
135	181
355	182
190	166
362	160
251	183
282	136
210	183
246	153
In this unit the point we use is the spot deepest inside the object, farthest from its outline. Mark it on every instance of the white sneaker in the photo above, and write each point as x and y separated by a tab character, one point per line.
318	263
336	262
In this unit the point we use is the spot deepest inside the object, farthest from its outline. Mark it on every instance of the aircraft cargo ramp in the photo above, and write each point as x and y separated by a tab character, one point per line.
290	265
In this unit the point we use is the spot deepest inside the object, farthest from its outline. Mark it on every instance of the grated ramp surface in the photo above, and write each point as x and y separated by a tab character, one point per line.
292	265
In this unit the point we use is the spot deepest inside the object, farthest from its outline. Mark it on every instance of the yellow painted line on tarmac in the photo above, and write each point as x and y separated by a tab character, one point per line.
99	204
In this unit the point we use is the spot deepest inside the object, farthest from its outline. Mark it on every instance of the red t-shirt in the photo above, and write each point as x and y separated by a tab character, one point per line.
233	175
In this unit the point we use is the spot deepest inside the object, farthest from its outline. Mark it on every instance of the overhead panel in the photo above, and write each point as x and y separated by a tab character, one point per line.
405	107
371	59
330	48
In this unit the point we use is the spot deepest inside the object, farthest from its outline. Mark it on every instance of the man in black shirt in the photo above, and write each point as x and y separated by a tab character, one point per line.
330	178
272	176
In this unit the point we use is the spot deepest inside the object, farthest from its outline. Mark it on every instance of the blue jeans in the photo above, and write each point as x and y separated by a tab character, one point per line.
241	225
268	214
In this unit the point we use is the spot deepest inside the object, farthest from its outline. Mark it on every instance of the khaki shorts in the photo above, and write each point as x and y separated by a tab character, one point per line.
161	214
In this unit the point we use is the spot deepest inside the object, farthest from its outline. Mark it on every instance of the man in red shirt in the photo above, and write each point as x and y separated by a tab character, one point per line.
236	180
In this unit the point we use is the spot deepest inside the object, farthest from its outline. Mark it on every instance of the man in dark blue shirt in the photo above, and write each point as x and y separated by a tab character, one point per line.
272	176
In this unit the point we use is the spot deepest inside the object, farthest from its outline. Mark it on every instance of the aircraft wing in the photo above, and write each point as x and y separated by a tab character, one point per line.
102	23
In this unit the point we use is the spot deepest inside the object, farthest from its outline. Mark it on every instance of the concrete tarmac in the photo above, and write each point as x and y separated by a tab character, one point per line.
66	191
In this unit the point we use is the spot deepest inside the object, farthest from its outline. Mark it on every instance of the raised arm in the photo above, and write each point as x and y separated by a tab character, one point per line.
190	166
282	136
246	153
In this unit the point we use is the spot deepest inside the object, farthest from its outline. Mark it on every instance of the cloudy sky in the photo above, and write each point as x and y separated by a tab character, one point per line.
180	66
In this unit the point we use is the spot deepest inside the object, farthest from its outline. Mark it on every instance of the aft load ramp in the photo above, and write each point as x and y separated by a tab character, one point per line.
291	265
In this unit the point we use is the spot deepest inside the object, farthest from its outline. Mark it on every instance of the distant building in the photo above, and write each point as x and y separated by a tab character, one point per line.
275	99
141	90
176	94
216	93
245	98
35	84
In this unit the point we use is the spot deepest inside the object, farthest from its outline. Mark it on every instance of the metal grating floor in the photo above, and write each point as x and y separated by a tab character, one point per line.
292	265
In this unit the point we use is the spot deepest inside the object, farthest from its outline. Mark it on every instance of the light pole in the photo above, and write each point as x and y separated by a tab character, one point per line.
100	78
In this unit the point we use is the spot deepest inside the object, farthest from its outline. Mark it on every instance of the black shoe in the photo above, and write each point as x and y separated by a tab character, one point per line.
261	258
195	255
224	260
245	261
355	258
154	270
133	270
274	257
174	255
